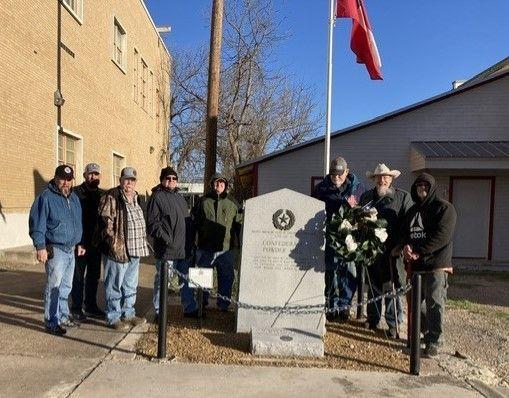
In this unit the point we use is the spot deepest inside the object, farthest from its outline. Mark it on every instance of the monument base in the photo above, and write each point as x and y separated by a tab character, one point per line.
286	343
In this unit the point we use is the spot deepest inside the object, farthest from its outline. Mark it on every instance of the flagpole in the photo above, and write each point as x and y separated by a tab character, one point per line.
326	157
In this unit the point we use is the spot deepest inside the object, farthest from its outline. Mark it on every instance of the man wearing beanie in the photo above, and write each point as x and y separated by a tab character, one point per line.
217	219
427	247
55	228
169	224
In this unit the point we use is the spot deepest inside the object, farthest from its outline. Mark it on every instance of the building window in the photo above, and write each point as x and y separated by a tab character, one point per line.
118	165
144	84
151	94
67	150
135	76
75	8
119	45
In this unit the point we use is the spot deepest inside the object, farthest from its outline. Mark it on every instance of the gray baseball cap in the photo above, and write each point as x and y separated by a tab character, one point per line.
338	166
128	172
92	168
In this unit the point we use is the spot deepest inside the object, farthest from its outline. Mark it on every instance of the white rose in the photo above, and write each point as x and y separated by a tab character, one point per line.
381	234
346	225
371	217
350	243
373	211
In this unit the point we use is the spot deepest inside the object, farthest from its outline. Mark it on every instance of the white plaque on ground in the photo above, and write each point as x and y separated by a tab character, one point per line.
282	262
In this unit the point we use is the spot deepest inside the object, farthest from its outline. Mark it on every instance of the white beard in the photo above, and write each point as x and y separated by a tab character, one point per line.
382	190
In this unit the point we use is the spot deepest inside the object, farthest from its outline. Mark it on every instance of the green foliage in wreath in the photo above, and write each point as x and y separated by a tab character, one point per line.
357	235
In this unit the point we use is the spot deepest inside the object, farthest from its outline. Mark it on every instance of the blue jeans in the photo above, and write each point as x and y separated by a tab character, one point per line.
223	262
120	285
59	271
186	293
374	310
340	285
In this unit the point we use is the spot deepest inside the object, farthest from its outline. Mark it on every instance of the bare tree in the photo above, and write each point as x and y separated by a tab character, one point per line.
261	110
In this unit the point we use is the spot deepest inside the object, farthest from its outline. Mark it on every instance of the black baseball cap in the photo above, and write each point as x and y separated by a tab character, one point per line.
64	172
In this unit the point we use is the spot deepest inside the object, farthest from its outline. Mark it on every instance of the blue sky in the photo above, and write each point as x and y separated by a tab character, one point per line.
424	46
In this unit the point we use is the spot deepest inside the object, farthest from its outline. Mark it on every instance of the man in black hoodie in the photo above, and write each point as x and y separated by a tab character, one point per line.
427	246
169	224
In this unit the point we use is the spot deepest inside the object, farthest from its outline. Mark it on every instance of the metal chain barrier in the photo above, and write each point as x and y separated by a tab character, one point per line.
298	309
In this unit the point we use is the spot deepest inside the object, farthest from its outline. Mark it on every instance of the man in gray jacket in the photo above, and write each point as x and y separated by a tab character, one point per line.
168	222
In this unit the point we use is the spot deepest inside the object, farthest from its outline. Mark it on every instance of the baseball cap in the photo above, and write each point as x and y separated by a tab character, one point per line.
64	172
128	172
92	168
338	166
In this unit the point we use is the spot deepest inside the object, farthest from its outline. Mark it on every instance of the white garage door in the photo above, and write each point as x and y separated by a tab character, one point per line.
472	199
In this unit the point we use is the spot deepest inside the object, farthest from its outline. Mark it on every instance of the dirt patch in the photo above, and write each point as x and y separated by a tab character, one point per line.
347	346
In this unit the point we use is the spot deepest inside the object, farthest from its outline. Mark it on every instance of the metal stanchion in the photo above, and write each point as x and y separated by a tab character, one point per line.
163	310
415	343
360	290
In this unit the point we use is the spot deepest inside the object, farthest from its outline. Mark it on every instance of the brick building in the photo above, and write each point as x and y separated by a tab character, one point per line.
110	65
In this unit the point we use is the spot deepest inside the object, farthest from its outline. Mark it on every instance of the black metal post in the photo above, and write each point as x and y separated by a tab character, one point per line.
200	306
360	290
163	310
415	343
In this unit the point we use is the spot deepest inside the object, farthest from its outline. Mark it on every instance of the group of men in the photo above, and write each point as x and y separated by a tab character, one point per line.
75	229
420	228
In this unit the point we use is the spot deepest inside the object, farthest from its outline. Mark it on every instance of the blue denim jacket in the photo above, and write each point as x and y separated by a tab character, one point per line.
55	220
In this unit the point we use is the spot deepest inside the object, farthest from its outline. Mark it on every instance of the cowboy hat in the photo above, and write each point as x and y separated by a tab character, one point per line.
382	170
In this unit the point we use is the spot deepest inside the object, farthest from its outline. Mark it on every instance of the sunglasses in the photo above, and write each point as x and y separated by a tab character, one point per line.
171	178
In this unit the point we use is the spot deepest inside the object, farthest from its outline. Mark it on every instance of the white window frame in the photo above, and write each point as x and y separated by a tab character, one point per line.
136	77
78	13
144	85
78	175
115	182
123	64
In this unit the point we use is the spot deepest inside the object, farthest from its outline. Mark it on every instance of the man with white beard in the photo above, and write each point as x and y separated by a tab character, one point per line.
392	205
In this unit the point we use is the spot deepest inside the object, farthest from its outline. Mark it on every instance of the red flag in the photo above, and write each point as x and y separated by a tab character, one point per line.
362	41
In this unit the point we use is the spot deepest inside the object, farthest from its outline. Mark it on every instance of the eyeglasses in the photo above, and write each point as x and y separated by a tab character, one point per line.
171	178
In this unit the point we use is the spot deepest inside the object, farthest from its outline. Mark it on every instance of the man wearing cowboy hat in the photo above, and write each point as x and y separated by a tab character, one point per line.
392	205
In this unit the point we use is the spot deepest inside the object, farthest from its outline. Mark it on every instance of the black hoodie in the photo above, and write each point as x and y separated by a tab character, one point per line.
429	228
168	222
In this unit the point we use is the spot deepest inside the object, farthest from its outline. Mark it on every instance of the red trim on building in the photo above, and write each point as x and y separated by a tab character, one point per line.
492	206
314	180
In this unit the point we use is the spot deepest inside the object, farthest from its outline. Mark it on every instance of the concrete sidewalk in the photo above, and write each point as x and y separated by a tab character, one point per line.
94	361
142	378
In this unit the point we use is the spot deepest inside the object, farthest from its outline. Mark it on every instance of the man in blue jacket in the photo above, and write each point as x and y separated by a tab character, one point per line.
339	188
55	228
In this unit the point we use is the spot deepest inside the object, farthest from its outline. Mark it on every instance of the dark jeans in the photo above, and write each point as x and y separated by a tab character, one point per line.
340	286
374	310
434	295
86	278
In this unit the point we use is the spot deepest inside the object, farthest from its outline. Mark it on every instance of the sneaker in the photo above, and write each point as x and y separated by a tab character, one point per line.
194	314
119	326
95	313
56	330
332	316
430	351
135	321
393	333
370	326
78	316
344	315
69	323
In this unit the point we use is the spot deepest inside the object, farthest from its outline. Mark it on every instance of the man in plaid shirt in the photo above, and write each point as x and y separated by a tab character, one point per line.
124	241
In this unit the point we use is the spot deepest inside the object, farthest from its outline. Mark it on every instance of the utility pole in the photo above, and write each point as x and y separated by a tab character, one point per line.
216	33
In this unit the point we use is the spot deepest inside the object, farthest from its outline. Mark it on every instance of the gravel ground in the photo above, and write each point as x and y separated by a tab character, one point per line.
476	334
347	345
477	328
